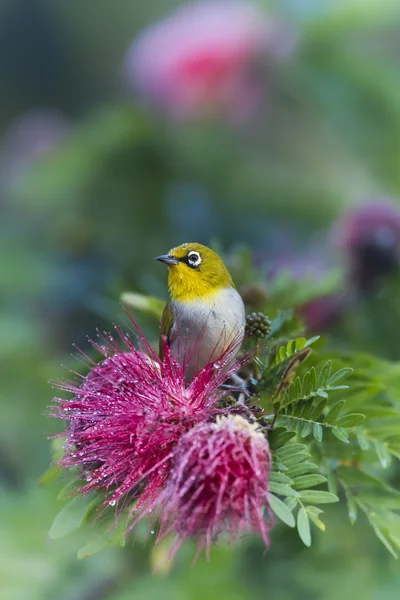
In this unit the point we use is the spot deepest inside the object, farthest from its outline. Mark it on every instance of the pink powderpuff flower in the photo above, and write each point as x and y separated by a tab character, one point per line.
219	482
311	267
127	415
201	59
369	237
324	312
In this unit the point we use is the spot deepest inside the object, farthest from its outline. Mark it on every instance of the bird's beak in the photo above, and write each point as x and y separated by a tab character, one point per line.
167	259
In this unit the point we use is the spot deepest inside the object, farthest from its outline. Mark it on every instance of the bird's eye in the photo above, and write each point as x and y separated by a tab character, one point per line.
193	259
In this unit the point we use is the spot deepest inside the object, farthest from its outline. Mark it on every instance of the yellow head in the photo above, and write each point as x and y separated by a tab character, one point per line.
195	271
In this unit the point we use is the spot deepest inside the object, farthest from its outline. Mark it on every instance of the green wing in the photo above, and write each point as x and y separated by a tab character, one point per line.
167	320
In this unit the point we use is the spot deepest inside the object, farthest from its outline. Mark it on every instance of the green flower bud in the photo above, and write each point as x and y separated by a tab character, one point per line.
257	325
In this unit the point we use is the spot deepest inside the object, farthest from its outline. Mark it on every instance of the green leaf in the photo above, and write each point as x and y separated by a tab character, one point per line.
279	477
378	412
383	454
306	384
317	432
294	459
281	510
324	374
334	412
291	503
385	431
319	497
334	388
293	345
279	437
298	388
52	473
303	526
300	469
381	532
345	372
394	450
92	547
318	410
71	516
312	341
382	537
352	476
280	466
306	481
332	479
145	304
289	450
314	512
306	429
350	420
282	355
395	539
363	442
69	489
282	489
57	448
351	506
313	379
340	434
380	500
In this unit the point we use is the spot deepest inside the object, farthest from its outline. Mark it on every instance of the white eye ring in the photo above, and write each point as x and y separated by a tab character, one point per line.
194	259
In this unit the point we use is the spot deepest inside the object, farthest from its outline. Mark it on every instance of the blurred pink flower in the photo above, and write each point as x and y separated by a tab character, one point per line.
310	267
201	59
34	134
324	312
219	482
369	237
127	415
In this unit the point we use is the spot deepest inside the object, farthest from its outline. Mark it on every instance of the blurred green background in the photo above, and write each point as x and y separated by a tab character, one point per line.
101	184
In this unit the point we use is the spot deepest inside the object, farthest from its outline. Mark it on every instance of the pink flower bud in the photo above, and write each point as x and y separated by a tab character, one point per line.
219	482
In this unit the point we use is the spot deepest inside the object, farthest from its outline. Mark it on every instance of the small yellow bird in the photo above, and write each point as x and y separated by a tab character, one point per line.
205	315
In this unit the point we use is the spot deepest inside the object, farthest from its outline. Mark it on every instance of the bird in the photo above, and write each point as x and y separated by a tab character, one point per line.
204	318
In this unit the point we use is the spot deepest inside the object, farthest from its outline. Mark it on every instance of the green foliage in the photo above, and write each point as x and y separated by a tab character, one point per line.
291	479
305	407
145	304
71	516
326	433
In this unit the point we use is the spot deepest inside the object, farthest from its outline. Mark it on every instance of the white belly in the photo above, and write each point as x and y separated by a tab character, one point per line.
203	331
